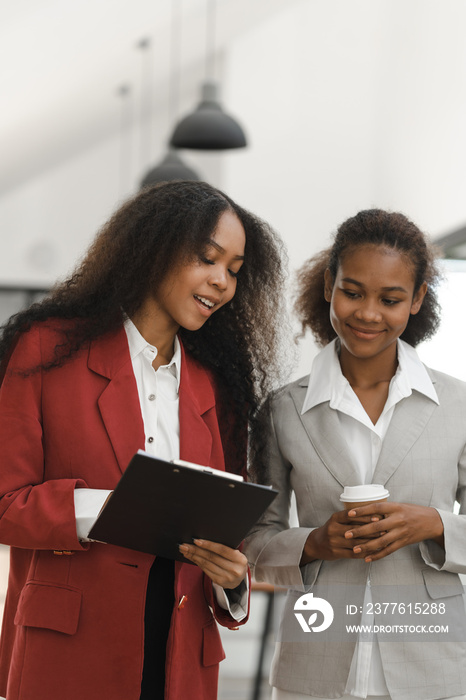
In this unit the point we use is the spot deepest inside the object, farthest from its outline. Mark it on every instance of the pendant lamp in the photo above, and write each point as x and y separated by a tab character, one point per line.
171	167
208	128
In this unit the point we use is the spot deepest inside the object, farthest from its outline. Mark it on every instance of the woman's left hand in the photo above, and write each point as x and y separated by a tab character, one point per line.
225	566
402	524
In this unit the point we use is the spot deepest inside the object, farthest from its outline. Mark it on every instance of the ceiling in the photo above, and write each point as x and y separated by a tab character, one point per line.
63	63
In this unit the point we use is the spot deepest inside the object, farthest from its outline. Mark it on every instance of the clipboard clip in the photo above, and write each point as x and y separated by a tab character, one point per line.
207	470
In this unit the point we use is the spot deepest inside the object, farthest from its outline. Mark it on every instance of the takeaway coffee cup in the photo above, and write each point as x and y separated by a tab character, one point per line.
354	496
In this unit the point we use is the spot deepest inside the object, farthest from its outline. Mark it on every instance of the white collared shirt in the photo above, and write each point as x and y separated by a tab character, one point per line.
158	395
364	442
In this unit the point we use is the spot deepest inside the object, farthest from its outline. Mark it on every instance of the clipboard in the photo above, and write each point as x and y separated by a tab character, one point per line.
158	505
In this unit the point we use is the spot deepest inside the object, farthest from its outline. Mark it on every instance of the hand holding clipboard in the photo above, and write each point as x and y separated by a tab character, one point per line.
158	505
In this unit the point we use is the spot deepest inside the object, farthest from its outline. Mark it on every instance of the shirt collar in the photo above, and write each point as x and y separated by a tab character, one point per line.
415	371
327	383
139	345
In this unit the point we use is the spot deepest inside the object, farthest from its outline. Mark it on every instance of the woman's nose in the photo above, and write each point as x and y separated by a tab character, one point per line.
219	277
368	311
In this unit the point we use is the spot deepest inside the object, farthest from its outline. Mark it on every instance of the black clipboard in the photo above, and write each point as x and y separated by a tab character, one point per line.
158	505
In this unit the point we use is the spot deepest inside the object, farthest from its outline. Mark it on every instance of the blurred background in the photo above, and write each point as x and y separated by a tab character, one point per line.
342	106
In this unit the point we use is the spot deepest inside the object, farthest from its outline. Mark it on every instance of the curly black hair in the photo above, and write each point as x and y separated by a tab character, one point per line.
146	238
371	227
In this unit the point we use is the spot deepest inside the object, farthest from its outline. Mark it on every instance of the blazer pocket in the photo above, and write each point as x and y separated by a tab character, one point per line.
212	649
49	606
442	584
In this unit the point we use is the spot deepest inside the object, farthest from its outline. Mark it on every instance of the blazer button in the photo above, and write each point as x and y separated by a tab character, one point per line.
60	552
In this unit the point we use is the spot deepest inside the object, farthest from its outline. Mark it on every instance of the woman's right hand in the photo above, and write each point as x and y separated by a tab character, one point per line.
328	542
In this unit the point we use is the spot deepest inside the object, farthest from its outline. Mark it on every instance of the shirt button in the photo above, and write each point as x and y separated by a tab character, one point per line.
150	439
151	397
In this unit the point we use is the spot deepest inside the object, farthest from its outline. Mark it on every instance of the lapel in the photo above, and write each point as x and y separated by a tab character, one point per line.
323	430
409	420
197	398
119	402
322	426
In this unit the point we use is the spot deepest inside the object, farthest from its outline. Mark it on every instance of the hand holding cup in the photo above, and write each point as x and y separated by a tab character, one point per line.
363	495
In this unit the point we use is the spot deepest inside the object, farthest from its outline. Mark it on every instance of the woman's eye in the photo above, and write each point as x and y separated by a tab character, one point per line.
350	294
390	302
206	261
233	274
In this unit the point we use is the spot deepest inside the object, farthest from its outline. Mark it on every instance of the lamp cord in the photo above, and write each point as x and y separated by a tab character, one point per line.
174	73
210	40
145	45
125	143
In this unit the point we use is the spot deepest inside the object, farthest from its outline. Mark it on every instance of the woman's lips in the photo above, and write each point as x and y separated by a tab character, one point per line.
365	333
204	309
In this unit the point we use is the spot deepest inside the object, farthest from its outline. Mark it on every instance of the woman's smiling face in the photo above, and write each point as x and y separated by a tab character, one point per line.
371	299
190	293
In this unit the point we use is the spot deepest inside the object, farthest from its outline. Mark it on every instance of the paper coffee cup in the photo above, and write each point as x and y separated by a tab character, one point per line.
354	496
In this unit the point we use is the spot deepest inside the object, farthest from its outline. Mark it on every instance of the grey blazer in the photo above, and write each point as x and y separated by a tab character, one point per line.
423	461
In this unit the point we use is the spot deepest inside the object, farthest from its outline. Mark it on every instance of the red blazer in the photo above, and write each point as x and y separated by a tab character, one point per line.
74	624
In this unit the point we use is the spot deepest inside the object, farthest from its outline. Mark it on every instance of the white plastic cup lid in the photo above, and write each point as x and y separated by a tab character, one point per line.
364	492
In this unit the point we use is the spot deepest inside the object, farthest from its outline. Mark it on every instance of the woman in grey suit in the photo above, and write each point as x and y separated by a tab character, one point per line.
369	412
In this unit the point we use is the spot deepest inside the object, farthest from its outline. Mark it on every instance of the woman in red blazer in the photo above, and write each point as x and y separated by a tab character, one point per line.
196	276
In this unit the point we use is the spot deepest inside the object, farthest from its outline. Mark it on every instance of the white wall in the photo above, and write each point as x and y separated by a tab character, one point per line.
350	106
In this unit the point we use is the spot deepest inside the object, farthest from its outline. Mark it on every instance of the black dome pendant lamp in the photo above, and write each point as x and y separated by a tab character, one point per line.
170	168
208	128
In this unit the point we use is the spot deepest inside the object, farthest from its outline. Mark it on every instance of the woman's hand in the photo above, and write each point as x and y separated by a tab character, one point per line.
225	566
328	542
402	524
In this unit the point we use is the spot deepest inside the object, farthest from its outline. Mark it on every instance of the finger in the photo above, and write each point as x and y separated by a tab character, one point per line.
375	544
341	516
377	508
208	559
373	529
196	553
338	540
220	576
220	549
222	571
354	536
365	519
382	553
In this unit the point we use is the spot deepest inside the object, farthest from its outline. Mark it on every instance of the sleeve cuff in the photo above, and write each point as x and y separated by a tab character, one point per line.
433	554
279	561
87	506
235	601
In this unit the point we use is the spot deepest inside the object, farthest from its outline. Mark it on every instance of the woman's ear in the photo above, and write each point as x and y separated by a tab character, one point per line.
328	285
418	298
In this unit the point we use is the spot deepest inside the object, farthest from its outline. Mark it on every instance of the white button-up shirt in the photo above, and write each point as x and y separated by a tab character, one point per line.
158	395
